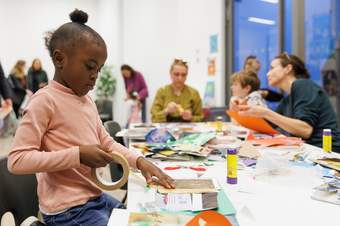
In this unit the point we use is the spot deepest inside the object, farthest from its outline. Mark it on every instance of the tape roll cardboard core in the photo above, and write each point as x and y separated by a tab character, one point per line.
109	185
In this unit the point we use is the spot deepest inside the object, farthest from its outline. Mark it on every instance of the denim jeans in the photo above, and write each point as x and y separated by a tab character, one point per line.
95	212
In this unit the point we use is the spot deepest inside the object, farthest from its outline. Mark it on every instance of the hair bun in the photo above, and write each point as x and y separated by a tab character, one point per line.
78	16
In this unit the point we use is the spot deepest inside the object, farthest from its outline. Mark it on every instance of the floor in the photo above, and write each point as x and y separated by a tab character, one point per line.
7	219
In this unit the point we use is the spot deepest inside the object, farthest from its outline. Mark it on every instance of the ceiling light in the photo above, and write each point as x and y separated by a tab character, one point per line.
261	20
271	1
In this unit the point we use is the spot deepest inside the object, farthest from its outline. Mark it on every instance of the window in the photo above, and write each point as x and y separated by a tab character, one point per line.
256	32
322	44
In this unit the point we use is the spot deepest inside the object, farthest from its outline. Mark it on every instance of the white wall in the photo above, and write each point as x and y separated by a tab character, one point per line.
147	34
23	24
154	32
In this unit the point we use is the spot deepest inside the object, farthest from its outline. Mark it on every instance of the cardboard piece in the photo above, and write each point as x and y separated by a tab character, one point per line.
332	163
189	186
257	124
249	151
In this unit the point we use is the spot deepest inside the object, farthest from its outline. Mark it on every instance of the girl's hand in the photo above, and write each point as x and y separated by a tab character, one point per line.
94	156
149	170
235	102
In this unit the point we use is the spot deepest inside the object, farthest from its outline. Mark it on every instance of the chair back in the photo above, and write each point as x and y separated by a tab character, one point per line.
18	194
213	112
116	170
104	108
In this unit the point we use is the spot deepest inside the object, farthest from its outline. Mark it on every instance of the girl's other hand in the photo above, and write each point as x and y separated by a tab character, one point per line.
94	156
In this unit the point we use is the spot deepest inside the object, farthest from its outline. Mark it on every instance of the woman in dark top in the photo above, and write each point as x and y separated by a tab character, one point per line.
305	111
36	76
135	84
4	90
18	83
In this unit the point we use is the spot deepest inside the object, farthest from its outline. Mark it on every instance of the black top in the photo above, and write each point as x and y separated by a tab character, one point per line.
5	91
273	96
309	102
35	78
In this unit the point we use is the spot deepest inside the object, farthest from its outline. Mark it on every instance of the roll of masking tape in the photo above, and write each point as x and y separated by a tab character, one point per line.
106	185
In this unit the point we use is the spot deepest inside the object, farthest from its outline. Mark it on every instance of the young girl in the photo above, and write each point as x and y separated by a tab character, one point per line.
134	109
66	137
244	87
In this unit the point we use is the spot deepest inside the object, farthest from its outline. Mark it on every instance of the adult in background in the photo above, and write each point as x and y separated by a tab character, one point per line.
5	91
36	76
135	87
177	102
18	83
305	111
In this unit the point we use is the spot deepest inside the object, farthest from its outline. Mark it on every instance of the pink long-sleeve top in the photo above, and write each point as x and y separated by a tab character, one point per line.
54	125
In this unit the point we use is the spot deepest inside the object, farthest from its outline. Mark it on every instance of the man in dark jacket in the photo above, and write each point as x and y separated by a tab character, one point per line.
4	89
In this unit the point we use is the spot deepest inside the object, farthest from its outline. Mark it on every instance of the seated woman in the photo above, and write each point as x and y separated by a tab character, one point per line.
177	102
245	88
305	111
36	76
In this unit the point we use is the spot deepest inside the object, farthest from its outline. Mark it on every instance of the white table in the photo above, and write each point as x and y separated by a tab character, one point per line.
278	200
262	200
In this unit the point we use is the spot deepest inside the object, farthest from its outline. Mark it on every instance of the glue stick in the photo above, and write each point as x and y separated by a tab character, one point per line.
231	165
327	140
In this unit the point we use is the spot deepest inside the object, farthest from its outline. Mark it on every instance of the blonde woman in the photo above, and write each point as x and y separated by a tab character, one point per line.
177	102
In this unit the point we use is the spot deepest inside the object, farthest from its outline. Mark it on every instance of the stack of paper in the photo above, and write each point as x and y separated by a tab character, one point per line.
185	149
192	195
189	194
123	217
329	192
187	202
333	163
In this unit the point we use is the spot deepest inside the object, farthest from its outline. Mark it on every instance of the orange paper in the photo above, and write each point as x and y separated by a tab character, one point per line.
210	218
253	123
276	141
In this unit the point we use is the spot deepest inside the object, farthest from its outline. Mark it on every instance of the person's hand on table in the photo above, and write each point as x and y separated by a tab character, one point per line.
171	108
186	115
149	170
255	111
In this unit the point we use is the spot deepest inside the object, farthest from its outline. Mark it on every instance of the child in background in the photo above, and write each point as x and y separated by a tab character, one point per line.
244	88
66	136
134	109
